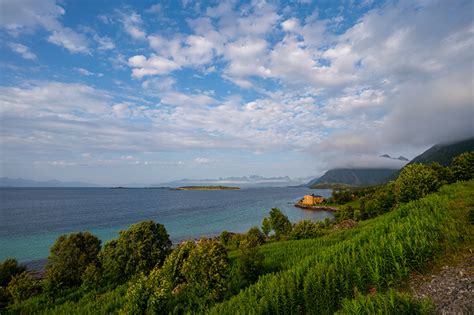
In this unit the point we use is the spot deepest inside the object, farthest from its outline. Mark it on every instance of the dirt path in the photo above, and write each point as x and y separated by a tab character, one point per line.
451	288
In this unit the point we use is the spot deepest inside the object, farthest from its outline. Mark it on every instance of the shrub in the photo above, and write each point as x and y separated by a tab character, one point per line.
306	229
225	237
266	226
414	182
139	249
69	257
23	286
254	237
250	263
462	167
9	268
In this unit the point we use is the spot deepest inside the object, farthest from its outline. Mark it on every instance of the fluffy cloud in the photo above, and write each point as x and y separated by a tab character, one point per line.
22	50
132	23
27	15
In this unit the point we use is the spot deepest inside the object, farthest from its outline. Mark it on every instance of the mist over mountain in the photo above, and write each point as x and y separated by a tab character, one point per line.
244	181
21	182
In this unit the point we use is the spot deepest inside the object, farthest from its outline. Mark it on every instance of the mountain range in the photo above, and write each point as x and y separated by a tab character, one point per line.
21	182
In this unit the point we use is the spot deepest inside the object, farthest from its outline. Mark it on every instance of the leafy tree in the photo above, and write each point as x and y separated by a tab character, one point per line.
205	271
139	249
92	277
254	236
23	286
250	263
280	223
5	297
306	229
462	166
9	268
266	226
69	257
414	182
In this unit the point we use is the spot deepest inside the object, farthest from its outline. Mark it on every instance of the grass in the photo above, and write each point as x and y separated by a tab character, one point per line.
315	276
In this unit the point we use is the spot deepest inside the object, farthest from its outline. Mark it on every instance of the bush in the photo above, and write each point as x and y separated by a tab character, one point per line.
306	229
9	268
69	257
414	182
266	226
23	286
139	249
254	237
250	263
462	167
225	237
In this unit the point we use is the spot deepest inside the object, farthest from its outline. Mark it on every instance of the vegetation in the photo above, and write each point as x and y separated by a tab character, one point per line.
307	267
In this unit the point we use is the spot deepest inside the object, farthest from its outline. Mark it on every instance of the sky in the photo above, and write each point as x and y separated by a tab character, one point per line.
114	92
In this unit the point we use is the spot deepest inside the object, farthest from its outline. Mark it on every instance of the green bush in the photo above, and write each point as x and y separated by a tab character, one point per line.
277	222
306	229
254	236
9	268
462	167
250	262
22	286
414	182
69	257
138	249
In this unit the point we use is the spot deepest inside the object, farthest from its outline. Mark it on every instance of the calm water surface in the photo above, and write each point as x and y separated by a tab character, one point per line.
32	218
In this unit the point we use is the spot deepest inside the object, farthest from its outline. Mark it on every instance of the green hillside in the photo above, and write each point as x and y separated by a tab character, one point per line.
353	177
444	153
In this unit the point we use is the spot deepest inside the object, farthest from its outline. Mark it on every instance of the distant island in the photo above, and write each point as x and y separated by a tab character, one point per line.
207	188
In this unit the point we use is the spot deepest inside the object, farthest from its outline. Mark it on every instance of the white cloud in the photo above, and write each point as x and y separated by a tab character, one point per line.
84	71
132	23
105	43
69	39
22	50
154	65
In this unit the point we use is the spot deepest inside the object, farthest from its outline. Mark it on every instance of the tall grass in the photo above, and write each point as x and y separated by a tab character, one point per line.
316	275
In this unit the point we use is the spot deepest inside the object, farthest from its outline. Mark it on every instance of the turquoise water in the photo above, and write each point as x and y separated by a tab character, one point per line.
32	218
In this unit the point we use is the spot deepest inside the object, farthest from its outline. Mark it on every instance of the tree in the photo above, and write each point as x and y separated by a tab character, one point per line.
69	257
279	222
225	237
205	272
306	229
23	286
9	268
266	226
250	263
254	236
139	249
462	166
414	182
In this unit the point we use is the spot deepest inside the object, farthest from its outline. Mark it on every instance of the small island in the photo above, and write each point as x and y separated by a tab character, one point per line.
207	188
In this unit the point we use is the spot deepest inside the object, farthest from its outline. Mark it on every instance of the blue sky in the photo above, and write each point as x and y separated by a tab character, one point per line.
147	91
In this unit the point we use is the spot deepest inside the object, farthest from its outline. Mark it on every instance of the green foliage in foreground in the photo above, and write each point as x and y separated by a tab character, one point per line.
390	303
379	254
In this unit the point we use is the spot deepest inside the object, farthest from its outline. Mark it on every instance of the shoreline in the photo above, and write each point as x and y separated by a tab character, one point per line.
316	208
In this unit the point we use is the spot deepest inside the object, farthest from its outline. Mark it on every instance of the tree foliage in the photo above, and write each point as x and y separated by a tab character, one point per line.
9	268
306	229
69	257
250	263
22	286
462	167
415	181
278	222
138	249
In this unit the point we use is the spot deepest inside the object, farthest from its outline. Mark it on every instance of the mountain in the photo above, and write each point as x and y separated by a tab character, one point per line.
354	176
444	153
244	181
400	158
20	182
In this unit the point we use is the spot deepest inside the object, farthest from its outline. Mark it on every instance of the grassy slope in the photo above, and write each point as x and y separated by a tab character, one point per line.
316	275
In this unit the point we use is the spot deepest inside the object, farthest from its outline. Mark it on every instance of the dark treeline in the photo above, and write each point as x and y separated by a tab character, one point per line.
140	273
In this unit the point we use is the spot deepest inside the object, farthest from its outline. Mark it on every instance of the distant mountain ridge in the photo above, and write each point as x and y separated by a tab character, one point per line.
21	182
354	176
244	181
444	153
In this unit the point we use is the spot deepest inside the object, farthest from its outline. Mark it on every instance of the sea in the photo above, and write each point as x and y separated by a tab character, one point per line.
32	218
